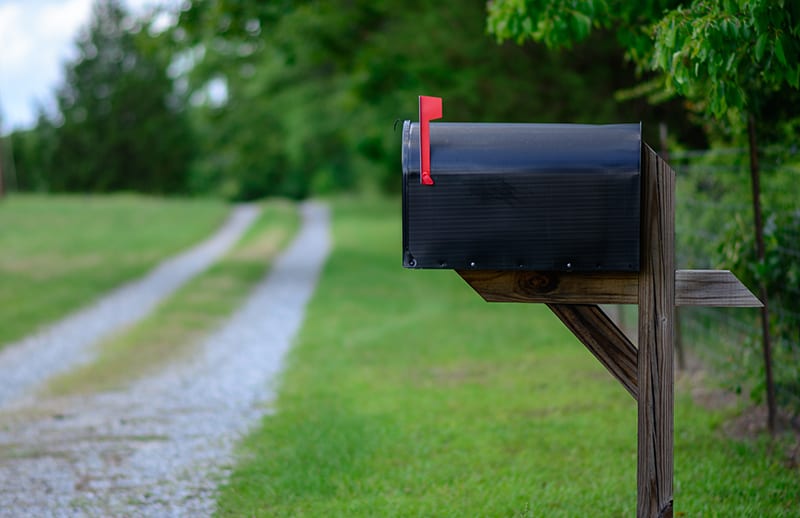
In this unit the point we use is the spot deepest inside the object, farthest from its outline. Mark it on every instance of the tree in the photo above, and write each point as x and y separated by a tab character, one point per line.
724	55
2	162
324	81
33	155
120	126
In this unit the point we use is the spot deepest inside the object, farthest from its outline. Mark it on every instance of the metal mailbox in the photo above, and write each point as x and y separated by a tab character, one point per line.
547	197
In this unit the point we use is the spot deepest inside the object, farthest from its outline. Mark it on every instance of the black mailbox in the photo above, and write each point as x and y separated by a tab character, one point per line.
548	197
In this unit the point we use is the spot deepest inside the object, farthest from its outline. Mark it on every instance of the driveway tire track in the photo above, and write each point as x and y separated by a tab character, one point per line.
68	343
161	447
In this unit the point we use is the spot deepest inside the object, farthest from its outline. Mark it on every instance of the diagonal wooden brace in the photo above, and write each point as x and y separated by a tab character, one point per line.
604	340
573	298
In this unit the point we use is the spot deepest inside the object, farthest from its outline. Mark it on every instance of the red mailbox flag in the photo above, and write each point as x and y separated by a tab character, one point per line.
429	108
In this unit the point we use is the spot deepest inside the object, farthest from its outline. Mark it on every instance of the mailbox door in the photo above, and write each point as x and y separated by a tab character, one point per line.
548	197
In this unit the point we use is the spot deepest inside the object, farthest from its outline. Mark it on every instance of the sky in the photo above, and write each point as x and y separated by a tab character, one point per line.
36	39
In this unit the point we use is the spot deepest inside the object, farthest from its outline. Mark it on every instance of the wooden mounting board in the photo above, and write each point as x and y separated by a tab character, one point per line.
718	288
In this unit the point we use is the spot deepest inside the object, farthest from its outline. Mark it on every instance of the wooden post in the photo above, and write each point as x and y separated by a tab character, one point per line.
647	373
662	139
656	329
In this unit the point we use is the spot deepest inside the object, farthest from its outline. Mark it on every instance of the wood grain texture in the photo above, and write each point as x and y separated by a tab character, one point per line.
604	340
553	287
719	288
656	334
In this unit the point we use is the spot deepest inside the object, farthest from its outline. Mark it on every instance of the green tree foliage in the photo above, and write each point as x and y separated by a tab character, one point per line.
33	155
314	87
779	272
119	127
726	56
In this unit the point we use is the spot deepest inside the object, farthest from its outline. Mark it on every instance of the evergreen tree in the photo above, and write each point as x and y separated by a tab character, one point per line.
119	129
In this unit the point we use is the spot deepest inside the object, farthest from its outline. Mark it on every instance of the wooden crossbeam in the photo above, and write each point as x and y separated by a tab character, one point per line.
719	288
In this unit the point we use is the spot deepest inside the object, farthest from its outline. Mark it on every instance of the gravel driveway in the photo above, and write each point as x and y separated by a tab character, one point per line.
161	447
68	343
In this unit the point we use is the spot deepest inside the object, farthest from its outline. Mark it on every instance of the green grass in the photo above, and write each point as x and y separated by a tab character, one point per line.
406	395
190	314
58	253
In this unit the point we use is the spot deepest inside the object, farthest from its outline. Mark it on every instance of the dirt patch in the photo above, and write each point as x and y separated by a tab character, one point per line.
705	392
747	422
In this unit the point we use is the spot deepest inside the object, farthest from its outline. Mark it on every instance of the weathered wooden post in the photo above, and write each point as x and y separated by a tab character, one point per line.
571	216
656	338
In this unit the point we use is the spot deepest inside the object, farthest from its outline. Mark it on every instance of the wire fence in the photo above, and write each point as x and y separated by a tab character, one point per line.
714	228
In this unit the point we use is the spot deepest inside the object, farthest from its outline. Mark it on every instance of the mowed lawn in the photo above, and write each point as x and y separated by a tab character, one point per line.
58	253
407	395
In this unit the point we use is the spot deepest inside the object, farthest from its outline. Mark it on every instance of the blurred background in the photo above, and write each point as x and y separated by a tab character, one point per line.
241	100
248	99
